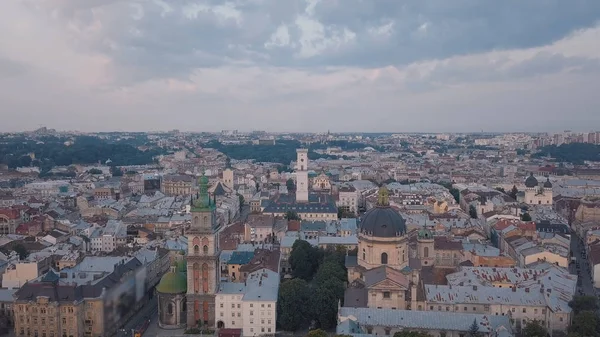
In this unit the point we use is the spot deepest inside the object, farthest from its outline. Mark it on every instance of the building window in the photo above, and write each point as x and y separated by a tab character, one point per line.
384	258
221	305
205	249
386	294
387	331
170	309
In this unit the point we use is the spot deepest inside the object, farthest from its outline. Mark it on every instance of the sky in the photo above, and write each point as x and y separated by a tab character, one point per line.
300	65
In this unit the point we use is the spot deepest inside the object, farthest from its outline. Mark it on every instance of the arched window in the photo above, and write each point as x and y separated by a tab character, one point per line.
196	249
196	269
205	278
183	306
384	258
205	249
426	252
364	254
170	308
205	221
196	221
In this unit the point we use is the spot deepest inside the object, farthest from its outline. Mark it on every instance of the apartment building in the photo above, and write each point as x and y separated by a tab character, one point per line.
107	239
250	306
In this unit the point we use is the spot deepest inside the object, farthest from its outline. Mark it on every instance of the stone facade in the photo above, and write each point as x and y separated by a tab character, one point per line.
202	261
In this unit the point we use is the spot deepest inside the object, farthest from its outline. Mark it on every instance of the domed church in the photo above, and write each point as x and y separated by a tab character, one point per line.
171	292
536	193
380	276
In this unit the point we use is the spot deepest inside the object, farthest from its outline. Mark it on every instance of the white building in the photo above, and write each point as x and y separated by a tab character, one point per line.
250	306
109	238
348	199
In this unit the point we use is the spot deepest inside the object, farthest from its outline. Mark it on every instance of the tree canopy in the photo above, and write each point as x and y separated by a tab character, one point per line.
472	212
291	215
526	217
534	329
292	304
406	333
575	153
304	260
327	275
60	151
316	333
583	303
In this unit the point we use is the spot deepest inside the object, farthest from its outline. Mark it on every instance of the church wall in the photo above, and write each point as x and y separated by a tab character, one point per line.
387	299
370	252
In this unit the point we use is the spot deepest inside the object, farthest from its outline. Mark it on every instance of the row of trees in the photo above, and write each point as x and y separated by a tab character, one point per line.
283	151
318	285
53	151
575	153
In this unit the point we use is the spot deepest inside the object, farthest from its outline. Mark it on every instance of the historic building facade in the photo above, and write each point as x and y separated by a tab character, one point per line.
202	260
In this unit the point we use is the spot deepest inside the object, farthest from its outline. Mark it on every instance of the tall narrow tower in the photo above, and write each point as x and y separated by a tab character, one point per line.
302	175
202	259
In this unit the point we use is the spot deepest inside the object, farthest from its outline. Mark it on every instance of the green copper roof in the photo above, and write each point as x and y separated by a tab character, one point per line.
203	202
175	281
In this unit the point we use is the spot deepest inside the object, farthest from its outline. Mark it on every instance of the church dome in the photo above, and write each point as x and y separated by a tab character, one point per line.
382	220
531	181
547	184
175	281
425	233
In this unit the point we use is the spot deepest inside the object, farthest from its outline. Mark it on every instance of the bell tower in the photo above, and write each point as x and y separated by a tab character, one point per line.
302	175
202	259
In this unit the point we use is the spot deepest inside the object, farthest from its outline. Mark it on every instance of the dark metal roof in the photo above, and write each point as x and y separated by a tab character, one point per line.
382	221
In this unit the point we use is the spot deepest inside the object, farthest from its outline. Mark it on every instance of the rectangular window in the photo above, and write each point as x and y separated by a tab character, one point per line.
251	313
386	294
221	305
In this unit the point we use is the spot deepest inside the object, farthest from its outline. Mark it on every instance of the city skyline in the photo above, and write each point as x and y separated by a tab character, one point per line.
352	66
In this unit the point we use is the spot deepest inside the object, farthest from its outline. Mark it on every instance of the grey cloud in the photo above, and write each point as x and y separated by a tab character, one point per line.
171	45
9	68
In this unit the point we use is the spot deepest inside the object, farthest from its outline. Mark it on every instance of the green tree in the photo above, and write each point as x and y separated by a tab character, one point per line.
585	324
316	333
325	301
291	186
474	329
291	215
407	333
293	304
330	268
526	217
473	212
583	303
94	171
241	199
115	171
21	250
303	260
513	192
534	329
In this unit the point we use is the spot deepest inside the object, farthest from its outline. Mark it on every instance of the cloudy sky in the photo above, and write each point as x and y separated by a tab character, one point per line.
300	65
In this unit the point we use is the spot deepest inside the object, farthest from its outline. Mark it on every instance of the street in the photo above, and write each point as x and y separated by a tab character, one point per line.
581	268
147	311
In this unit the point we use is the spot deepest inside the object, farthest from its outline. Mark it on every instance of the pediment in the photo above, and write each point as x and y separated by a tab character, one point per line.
388	284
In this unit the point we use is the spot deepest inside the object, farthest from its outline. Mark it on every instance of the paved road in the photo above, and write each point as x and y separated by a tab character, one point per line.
147	311
582	268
